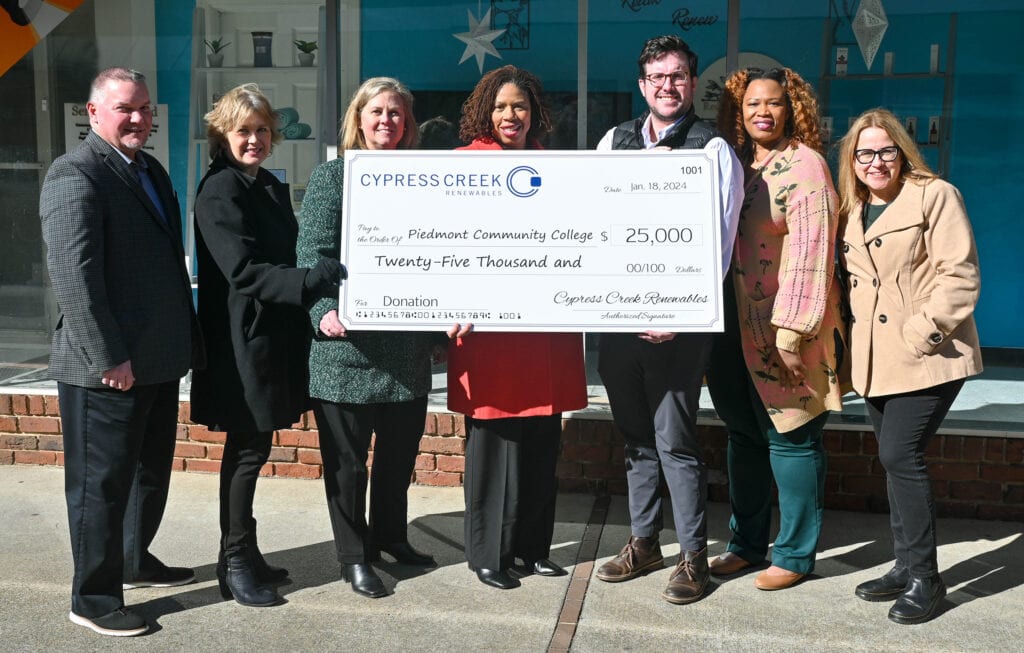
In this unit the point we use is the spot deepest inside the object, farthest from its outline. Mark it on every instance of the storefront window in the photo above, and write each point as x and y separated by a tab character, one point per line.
949	69
951	72
35	90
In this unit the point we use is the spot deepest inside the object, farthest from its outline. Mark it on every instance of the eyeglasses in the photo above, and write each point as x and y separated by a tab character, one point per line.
658	79
886	154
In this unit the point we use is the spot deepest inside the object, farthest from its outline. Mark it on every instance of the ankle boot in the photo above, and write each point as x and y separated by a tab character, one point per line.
238	580
640	555
919	602
266	573
689	579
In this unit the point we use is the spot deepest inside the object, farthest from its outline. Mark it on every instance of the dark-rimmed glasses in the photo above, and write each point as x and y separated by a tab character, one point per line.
678	79
886	154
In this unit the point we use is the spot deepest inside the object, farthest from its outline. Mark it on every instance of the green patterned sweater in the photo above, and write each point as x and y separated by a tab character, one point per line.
367	366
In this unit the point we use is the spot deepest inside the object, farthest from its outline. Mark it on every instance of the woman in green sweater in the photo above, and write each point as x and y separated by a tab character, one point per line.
365	382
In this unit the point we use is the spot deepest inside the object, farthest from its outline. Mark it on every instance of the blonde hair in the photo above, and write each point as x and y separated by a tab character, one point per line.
802	122
232	109
350	136
912	165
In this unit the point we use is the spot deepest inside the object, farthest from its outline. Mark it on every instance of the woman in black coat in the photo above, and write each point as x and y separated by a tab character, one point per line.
251	311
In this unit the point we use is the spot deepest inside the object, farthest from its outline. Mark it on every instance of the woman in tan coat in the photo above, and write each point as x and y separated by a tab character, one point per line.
913	281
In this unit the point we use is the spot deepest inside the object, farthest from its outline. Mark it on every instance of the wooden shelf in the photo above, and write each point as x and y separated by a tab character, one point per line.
286	83
890	84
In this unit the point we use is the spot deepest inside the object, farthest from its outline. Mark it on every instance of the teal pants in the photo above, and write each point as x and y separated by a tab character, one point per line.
757	454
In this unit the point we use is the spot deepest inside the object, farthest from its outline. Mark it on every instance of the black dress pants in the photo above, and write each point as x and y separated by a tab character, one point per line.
245	453
118	449
510	488
345	432
903	424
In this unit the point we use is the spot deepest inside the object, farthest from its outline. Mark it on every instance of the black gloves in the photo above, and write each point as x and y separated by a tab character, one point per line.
323	279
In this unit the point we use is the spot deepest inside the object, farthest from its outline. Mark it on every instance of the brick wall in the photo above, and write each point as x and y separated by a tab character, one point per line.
973	476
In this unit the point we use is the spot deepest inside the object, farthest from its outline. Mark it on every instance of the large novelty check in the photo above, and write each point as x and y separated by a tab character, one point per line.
531	241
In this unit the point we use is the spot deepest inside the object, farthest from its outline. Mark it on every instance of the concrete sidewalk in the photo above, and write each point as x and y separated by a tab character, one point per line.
447	609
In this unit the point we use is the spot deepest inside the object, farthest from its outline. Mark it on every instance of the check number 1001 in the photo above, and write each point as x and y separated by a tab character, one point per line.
655	235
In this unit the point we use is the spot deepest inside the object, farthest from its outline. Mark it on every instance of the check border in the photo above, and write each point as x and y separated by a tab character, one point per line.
514	189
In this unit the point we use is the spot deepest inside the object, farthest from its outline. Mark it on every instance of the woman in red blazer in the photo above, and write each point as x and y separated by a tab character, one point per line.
512	387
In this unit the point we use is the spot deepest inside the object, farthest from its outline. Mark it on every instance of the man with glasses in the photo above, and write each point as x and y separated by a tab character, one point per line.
654	378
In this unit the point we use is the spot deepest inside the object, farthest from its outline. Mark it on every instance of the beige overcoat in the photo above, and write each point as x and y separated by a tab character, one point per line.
913	281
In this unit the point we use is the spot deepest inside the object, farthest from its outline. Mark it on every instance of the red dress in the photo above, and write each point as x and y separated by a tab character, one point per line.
494	375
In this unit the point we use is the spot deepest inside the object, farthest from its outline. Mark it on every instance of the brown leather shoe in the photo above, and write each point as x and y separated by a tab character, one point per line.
770	582
727	564
640	555
689	579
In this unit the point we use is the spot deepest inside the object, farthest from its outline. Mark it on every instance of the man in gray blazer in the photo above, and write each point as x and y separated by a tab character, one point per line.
126	335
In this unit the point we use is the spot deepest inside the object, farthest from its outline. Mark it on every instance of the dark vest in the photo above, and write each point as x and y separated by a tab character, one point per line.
690	134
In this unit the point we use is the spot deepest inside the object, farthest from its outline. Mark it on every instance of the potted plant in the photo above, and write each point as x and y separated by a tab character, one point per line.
215	57
306	49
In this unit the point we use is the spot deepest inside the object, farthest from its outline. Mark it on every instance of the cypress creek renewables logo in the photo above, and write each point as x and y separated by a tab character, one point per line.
521	181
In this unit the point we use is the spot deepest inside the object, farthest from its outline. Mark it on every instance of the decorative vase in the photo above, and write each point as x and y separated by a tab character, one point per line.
306	58
262	42
216	60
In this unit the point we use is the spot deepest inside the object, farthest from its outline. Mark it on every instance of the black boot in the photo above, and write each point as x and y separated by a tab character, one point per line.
265	572
364	579
886	588
919	602
239	581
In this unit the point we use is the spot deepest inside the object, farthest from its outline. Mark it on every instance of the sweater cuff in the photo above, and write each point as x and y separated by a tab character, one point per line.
788	340
319	310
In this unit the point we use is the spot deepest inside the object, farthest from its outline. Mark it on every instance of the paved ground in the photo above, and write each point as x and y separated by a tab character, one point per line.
447	609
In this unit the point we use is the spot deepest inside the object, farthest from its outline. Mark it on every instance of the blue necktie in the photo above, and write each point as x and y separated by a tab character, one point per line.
147	185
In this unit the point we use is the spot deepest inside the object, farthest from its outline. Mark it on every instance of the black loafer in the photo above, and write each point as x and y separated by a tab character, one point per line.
364	580
919	602
545	567
403	553
886	588
498	578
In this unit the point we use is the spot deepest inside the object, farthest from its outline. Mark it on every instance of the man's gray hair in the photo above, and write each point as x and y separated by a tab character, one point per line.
115	74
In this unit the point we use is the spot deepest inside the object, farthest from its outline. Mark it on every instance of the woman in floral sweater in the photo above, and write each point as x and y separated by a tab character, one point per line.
782	332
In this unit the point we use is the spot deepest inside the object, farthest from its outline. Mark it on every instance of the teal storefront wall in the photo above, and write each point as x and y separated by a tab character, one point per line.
413	40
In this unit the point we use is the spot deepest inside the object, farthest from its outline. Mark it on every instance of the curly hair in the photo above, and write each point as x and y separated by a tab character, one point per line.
912	165
351	137
476	119
802	120
234	108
